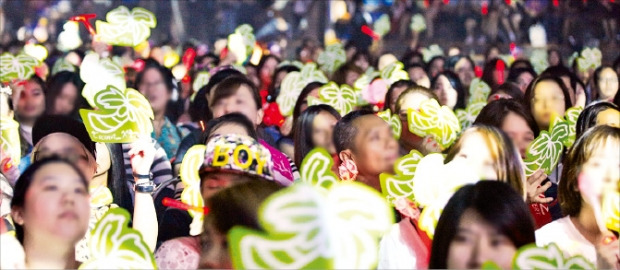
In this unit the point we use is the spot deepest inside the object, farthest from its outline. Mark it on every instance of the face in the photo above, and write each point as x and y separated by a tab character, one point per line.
476	242
322	127
517	129
610	117
217	256
65	102
436	67
523	80
548	99
240	102
268	68
418	75
580	96
314	93
153	87
475	151
602	169
362	63
351	77
445	92
104	162
554	58
213	182
31	103
56	206
226	129
607	84
376	150
68	147
465	71
394	96
279	78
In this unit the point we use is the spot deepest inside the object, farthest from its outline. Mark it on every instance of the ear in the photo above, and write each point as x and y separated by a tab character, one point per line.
259	117
17	215
345	155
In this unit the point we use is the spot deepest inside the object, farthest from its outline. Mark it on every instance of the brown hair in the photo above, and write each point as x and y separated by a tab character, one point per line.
230	86
411	90
506	158
583	149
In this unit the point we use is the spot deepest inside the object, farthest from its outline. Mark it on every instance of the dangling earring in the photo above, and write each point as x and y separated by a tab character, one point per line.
348	170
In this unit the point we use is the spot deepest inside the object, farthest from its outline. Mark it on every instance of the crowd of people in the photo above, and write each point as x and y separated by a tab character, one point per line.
249	149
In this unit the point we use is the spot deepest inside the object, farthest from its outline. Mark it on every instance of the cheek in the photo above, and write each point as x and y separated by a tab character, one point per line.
503	256
458	255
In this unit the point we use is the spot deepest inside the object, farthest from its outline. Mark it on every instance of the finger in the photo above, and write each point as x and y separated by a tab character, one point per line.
543	188
543	200
534	176
542	177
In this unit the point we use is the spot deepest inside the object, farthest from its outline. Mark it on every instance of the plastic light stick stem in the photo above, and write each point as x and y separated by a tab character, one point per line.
366	30
183	206
84	18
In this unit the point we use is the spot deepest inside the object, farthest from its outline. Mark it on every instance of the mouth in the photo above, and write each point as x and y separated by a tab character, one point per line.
68	215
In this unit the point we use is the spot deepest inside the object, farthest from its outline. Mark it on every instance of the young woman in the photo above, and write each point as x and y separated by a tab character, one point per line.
435	66
512	118
464	67
484	222
50	205
490	154
547	96
29	104
63	94
394	91
310	90
155	82
314	128
242	186
347	74
595	160
507	90
366	147
448	88
522	77
598	113
239	94
411	99
604	84
278	77
576	89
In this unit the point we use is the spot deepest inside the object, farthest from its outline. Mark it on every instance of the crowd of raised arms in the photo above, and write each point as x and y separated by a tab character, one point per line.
122	154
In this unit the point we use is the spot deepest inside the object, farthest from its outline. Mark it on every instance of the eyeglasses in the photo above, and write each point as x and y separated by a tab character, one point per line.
552	100
71	157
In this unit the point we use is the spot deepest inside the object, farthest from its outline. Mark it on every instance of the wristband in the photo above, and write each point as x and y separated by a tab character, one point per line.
147	187
143	176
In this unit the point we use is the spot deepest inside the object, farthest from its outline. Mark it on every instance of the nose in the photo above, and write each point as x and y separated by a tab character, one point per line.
479	255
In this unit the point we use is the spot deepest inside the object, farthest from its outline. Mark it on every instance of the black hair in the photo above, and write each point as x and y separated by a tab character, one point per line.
430	63
25	180
401	83
231	118
410	55
452	60
514	73
509	88
273	91
529	93
166	74
456	84
199	108
301	100
230	86
49	124
303	130
508	214
345	131
415	65
521	63
54	88
495	112
587	118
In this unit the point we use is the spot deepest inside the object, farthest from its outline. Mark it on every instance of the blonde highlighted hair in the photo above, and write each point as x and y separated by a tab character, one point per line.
506	159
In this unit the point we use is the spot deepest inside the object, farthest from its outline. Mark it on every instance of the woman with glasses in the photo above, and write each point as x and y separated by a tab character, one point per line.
545	97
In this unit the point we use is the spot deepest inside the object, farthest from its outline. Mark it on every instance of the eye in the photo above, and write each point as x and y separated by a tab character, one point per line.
50	188
80	190
461	238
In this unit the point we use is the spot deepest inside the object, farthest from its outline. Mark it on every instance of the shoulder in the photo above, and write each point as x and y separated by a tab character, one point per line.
552	232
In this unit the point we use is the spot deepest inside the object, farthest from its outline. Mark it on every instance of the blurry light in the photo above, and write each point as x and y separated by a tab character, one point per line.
40	33
64	6
337	9
330	37
281	24
303	24
74	59
385	60
21	33
179	71
69	38
219	45
485	8
143	49
37	51
257	54
171	57
454	51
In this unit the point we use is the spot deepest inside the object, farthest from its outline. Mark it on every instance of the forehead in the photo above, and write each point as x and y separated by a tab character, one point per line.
548	88
57	142
152	73
56	171
369	122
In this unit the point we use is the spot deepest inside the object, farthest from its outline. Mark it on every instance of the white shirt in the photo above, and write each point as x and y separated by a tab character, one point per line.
564	233
397	247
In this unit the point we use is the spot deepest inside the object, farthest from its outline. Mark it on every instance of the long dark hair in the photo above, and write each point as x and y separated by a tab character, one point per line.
529	93
116	177
487	74
494	113
302	131
497	203
273	91
54	88
25	180
388	100
303	95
